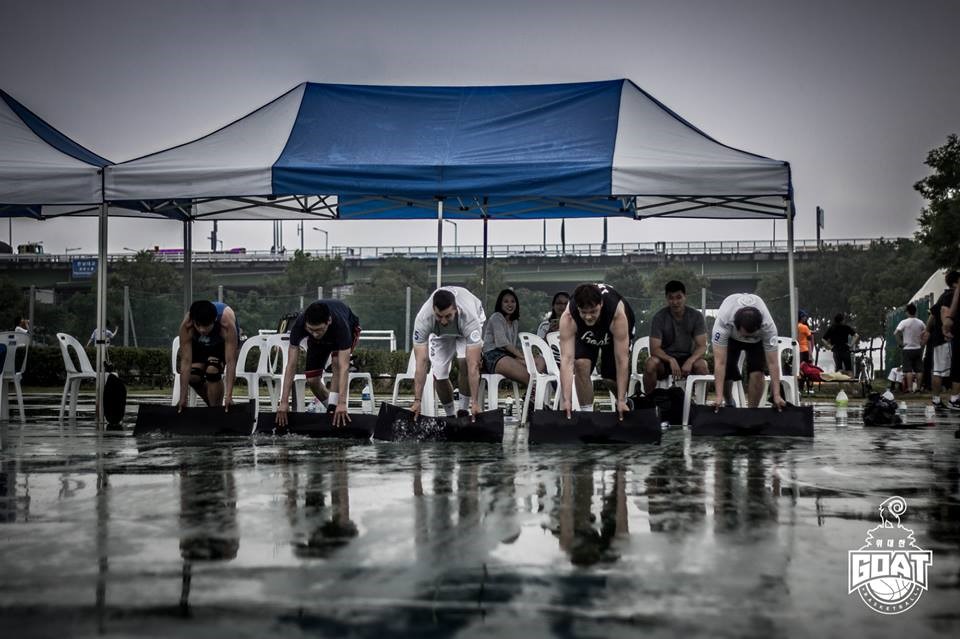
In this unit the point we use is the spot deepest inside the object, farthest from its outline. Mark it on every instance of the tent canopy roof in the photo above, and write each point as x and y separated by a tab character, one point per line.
381	152
40	165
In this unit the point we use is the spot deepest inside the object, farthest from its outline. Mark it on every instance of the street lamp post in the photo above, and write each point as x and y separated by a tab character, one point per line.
456	242
326	240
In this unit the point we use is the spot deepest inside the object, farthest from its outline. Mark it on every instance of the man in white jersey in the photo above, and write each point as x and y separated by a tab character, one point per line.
911	336
450	323
744	325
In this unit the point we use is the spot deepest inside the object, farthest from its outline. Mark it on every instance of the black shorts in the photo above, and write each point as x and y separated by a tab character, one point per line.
805	356
755	356
608	359
319	352
913	360
201	353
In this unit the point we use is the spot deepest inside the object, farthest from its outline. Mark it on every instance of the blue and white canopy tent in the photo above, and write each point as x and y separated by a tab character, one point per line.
331	151
593	149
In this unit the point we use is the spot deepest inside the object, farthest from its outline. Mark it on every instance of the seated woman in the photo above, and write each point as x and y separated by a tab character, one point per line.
551	322
501	354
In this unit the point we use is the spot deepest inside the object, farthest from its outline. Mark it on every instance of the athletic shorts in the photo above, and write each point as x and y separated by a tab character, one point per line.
842	361
941	360
201	353
442	349
318	353
755	356
805	357
913	360
605	353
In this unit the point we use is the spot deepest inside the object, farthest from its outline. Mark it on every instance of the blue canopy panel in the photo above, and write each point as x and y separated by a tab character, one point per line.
50	135
428	141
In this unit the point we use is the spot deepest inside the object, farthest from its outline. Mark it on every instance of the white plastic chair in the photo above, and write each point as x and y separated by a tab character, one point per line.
789	381
366	377
695	389
404	377
553	340
492	381
10	374
261	374
281	342
636	375
541	383
192	397
75	376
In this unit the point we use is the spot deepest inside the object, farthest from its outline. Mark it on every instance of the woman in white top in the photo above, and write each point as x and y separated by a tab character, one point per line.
551	322
501	354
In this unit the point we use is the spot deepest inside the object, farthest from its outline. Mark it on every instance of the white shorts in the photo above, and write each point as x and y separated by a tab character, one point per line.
442	350
941	360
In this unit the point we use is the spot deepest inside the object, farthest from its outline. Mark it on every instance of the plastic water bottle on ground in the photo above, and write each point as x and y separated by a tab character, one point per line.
365	400
930	415
902	411
842	401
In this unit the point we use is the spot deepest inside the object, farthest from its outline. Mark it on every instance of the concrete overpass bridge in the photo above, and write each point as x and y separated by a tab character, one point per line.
731	265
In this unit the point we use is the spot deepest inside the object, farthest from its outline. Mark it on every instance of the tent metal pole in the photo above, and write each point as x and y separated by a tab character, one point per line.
791	282
188	263
485	220
439	241
101	341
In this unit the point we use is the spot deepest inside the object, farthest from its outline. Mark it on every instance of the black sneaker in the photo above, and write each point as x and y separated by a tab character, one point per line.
463	412
954	404
939	405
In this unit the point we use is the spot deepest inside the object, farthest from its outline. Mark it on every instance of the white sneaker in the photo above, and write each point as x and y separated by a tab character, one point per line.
316	406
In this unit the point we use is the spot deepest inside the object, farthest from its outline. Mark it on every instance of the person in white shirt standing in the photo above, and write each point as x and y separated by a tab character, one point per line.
744	325
911	336
450	323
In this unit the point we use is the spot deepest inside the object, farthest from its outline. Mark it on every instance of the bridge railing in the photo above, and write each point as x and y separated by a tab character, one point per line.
494	251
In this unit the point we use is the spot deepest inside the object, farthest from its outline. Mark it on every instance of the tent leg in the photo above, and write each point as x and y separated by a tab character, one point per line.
485	220
101	311
187	264
791	282
439	242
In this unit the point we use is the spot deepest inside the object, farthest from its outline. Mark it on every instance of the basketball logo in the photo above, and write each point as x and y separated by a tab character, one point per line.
889	571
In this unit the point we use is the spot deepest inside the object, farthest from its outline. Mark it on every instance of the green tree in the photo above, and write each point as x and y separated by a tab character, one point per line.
940	220
380	302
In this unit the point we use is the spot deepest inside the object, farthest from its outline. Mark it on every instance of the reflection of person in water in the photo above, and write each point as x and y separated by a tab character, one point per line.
326	528
574	519
676	501
208	511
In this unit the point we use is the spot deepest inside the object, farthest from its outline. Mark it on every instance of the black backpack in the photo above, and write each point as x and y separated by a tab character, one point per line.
286	322
880	411
667	401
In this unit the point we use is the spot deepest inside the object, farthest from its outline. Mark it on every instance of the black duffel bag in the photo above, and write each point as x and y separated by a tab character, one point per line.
667	401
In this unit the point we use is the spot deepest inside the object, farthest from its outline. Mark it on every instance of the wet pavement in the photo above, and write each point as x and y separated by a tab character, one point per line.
109	535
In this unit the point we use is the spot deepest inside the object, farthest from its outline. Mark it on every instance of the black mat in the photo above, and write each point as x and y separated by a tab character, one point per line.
792	421
201	420
639	426
397	424
318	425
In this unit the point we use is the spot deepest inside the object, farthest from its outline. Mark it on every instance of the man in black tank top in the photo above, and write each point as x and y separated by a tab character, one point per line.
598	323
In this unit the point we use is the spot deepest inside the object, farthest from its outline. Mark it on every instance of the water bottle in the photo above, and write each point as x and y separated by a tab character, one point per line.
902	411
930	415
842	402
365	400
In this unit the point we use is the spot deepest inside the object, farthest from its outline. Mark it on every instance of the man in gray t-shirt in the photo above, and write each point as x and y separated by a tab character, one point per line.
678	340
448	325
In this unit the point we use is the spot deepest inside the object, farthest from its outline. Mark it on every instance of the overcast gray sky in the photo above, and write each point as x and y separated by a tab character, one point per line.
852	93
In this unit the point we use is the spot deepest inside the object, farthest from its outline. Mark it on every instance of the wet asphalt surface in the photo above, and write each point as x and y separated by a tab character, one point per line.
111	535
